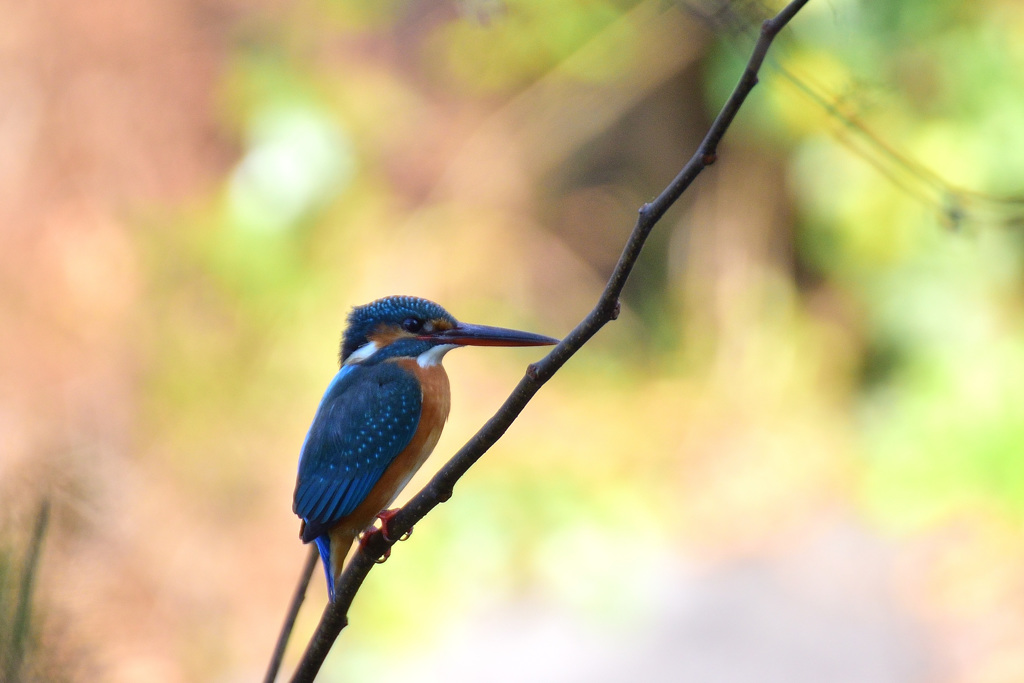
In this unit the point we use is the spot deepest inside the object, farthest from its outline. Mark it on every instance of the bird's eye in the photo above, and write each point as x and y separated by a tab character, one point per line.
412	324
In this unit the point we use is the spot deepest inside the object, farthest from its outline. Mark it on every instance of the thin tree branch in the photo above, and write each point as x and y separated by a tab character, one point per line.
293	613
439	489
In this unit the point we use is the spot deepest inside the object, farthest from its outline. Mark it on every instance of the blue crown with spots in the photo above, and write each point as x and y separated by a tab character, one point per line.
363	320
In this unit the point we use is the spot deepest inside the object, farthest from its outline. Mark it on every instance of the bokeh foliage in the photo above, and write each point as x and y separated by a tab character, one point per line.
881	362
828	327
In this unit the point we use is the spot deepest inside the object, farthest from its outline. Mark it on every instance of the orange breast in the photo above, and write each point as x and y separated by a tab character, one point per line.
434	413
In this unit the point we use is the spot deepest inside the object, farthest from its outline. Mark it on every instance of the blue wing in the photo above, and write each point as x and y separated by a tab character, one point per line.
367	416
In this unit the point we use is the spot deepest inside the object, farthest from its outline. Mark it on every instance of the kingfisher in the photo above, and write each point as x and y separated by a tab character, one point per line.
380	417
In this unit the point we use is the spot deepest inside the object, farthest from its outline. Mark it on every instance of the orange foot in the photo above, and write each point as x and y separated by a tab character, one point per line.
363	537
385	517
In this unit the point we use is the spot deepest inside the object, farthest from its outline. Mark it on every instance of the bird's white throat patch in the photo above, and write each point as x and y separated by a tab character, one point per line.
434	355
362	353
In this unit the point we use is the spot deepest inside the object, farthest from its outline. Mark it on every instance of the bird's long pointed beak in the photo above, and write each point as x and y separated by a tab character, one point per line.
465	334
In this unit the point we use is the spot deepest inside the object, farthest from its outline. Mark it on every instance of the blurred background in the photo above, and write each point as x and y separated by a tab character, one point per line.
797	456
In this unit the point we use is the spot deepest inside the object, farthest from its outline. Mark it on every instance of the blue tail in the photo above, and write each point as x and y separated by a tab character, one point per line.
323	544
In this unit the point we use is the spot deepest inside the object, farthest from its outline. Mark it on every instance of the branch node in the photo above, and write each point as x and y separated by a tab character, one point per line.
532	371
444	496
709	158
616	309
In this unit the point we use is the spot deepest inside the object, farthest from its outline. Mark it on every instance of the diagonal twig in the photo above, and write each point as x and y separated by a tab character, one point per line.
293	612
439	489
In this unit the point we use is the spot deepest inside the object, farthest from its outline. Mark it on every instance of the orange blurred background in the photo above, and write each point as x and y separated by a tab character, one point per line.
795	457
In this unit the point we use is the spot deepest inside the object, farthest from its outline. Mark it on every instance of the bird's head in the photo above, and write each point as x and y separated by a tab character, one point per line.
411	327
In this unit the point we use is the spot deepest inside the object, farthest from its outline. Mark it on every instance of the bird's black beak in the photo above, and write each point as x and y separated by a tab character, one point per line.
465	334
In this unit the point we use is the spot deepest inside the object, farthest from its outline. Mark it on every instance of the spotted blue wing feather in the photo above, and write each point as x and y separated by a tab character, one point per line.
368	415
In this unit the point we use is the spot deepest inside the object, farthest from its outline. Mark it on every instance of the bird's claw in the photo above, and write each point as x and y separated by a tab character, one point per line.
365	537
385	517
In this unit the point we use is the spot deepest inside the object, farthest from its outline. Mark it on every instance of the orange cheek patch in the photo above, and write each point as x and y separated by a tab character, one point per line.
386	334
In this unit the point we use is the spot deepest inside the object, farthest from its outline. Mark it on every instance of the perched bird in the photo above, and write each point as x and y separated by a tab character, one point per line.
380	417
